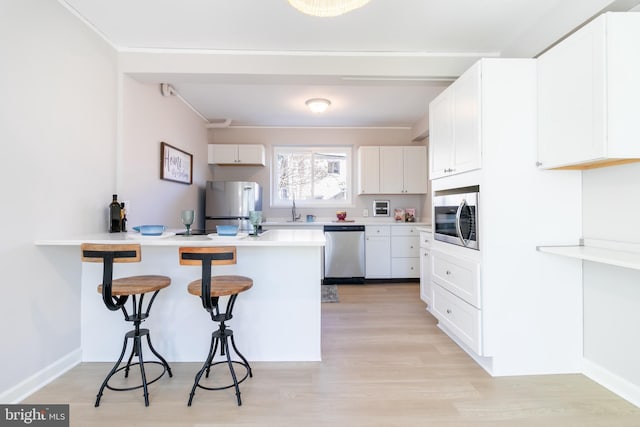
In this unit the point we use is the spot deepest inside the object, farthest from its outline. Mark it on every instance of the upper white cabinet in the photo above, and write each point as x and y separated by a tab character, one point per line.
455	126
369	170
232	154
403	170
588	91
392	170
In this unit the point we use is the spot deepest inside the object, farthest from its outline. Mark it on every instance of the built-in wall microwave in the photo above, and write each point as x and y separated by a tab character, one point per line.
456	216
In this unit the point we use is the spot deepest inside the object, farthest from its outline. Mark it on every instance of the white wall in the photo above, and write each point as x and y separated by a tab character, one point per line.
611	210
58	131
346	137
149	119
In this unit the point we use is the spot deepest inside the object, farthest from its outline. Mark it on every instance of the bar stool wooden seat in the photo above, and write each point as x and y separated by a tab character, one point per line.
209	289
115	293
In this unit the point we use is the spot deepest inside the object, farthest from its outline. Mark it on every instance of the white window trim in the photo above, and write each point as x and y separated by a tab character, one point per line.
275	201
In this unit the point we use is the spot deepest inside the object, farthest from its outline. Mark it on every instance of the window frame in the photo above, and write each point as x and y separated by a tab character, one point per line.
275	200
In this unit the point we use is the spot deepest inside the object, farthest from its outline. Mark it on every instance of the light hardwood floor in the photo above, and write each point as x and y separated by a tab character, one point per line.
385	363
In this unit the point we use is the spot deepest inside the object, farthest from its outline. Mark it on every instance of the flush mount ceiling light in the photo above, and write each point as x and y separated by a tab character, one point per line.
318	105
327	8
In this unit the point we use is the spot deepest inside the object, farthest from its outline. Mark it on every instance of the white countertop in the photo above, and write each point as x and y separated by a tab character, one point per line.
275	237
278	222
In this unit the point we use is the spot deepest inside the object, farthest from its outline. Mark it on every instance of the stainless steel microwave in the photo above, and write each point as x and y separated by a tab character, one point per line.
456	216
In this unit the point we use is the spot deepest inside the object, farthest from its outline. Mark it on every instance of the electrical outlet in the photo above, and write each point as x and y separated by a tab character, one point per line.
365	212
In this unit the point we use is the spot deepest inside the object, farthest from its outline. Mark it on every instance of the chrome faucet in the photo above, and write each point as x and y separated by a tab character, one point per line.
294	214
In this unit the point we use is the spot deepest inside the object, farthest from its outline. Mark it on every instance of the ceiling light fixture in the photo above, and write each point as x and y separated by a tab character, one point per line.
318	105
327	8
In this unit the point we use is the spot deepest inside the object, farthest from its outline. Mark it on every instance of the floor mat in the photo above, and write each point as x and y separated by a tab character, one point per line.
329	293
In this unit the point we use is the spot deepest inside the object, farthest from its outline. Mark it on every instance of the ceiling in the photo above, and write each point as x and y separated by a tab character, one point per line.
255	62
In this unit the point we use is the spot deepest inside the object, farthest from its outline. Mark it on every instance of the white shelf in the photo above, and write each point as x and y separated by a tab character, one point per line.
612	253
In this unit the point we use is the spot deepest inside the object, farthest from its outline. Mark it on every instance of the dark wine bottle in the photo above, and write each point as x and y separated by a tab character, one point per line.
114	215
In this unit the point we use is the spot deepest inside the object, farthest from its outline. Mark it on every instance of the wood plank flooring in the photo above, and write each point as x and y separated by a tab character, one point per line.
385	363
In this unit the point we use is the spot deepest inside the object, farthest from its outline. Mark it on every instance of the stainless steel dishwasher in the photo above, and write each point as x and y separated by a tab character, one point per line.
344	254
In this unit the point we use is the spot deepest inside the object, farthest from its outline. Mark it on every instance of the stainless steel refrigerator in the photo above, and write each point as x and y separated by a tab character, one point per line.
229	202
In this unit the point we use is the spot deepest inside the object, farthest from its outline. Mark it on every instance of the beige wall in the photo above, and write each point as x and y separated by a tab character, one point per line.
288	136
149	119
58	125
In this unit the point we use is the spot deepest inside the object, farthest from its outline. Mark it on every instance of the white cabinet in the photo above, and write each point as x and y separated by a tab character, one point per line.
588	91
405	252
456	297
392	170
377	252
426	285
505	302
460	276
369	170
232	154
458	318
455	126
403	170
392	252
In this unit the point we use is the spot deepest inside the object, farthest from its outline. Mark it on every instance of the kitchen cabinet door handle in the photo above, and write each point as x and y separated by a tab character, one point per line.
448	273
448	311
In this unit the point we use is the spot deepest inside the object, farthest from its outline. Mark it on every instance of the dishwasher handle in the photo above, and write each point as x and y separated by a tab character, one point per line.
339	228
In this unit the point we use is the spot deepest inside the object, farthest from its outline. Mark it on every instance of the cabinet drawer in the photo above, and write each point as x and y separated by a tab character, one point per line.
460	276
404	230
425	239
405	246
402	268
377	230
458	317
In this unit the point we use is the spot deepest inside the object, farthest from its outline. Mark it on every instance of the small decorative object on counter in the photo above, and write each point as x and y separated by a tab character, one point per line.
341	215
398	214
227	230
114	215
410	215
187	219
255	218
311	218
123	217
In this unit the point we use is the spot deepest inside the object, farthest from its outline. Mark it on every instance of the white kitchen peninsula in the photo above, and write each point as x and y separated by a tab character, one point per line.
278	319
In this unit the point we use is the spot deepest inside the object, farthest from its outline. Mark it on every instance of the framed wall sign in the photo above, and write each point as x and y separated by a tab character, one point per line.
175	165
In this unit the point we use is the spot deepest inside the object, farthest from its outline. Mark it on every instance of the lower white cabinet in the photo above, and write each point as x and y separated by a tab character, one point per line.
405	252
377	252
456	296
458	275
392	252
426	285
460	318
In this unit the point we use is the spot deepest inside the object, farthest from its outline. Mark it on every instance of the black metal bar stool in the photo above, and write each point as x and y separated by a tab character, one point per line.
115	294
210	289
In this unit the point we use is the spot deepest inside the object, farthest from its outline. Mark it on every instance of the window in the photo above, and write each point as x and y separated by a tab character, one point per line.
313	176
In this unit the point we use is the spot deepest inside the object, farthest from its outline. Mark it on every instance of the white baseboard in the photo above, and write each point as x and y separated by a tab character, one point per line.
41	378
611	381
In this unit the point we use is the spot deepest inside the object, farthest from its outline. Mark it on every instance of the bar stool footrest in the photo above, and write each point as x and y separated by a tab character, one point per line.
235	362
164	371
